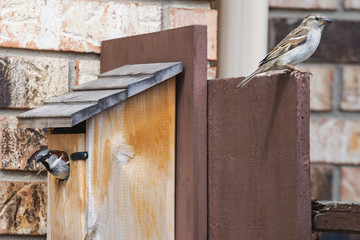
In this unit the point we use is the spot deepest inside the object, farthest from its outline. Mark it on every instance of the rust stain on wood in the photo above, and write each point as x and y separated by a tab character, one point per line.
103	169
67	201
132	172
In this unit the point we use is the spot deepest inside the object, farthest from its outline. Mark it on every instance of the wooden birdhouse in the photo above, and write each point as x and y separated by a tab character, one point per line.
125	120
131	186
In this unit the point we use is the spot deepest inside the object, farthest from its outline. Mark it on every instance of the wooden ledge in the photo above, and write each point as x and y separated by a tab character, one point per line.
333	216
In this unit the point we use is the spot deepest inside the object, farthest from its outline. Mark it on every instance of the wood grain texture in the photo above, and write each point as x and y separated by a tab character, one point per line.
259	158
67	201
189	46
131	167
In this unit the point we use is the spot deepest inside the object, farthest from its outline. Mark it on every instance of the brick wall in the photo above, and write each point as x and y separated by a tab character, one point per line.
335	93
46	47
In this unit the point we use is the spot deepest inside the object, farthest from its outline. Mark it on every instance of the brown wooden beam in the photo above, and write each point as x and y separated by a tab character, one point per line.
259	158
189	46
332	216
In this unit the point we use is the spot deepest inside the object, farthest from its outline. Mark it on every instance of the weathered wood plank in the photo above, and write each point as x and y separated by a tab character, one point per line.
149	68
160	71
101	96
333	216
259	158
135	78
67	201
55	110
116	82
93	97
130	171
58	115
58	122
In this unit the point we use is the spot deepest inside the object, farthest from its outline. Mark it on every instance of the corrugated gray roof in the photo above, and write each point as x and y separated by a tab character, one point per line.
91	98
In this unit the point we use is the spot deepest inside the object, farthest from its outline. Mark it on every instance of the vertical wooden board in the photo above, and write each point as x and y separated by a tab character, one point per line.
259	158
67	201
131	167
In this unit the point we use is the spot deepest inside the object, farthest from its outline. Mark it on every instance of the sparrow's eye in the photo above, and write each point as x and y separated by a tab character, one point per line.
316	18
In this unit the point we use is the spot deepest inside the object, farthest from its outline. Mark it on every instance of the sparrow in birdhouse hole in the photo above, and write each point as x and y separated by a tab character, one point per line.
295	48
56	162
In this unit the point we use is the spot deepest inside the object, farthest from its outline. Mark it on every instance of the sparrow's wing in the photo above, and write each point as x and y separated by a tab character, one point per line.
295	38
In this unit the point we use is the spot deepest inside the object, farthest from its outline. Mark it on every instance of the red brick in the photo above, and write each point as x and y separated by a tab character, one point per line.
77	26
335	141
86	71
23	208
351	4
351	89
27	82
211	73
350	188
321	177
305	4
19	145
321	85
343	32
179	17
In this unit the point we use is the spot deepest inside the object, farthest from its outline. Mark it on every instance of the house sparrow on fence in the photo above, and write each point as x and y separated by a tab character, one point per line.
56	162
295	48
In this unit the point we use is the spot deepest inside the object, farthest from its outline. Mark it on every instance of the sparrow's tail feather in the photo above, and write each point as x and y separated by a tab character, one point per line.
247	79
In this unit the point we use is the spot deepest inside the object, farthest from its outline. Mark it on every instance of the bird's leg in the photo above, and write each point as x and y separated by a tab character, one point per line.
295	70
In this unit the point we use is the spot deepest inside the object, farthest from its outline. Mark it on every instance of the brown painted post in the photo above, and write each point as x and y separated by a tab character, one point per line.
259	158
187	45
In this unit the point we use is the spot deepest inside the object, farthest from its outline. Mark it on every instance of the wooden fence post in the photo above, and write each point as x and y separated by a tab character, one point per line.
259	158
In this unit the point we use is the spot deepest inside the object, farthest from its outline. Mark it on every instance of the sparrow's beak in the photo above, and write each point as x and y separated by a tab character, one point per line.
39	158
327	21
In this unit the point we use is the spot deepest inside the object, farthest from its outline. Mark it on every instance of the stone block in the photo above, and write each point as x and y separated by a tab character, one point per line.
26	82
86	71
350	100
321	85
321	177
23	208
305	4
19	146
351	4
77	26
180	17
211	73
335	141
350	188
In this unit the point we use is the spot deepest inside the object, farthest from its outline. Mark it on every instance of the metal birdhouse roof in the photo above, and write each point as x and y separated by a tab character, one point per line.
91	98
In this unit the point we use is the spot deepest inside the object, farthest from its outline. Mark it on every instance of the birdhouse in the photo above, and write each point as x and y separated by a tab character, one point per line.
145	176
125	121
